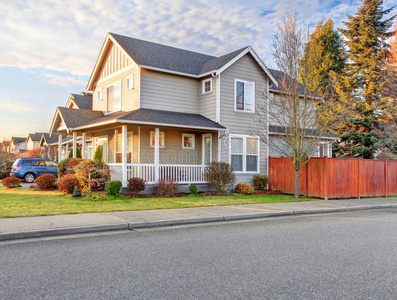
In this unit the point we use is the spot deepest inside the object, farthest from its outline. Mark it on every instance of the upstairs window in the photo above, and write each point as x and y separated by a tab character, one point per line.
99	95
130	82
207	86
113	97
244	95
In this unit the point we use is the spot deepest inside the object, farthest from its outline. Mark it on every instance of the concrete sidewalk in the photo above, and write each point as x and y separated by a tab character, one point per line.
29	227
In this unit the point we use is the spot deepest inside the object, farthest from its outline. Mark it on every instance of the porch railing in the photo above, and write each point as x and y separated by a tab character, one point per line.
178	173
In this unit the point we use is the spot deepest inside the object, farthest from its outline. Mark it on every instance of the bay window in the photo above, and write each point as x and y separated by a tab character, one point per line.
244	153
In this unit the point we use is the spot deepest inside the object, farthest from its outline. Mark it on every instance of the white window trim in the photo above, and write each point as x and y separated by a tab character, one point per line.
126	82
327	149
203	146
192	135
163	139
253	96
99	90
121	100
203	86
244	137
116	132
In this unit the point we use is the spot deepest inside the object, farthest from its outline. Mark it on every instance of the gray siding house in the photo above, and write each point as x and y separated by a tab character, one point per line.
160	112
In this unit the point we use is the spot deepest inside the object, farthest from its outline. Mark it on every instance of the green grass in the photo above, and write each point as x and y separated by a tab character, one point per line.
22	202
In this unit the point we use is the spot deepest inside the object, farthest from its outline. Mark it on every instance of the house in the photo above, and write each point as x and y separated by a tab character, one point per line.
160	112
18	144
6	146
33	140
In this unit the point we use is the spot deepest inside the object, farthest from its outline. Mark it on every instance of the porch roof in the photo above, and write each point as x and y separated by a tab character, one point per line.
78	119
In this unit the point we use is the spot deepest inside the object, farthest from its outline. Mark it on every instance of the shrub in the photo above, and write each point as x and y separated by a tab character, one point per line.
136	184
11	182
98	154
92	173
5	174
244	188
194	189
261	181
45	181
72	163
62	166
113	187
220	176
78	153
166	188
67	183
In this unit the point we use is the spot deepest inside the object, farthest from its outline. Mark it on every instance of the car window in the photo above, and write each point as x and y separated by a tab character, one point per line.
39	163
50	163
26	163
16	162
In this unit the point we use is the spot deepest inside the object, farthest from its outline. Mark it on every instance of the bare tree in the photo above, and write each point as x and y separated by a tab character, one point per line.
299	116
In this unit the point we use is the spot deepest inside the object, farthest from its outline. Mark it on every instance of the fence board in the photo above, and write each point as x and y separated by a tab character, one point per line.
336	178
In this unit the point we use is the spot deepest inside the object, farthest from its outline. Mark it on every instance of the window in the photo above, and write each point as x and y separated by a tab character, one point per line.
244	154
99	95
207	148
324	150
244	95
207	86
119	147
188	141
26	163
89	152
50	163
130	82
153	138
113	97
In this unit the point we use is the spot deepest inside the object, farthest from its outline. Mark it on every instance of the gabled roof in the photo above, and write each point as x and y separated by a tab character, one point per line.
280	77
82	100
169	59
17	140
50	139
35	137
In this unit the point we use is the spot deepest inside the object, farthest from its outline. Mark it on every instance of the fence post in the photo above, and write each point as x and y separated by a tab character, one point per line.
359	179
385	177
307	178
325	177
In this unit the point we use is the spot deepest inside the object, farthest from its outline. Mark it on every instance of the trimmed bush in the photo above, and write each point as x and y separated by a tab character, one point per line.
166	188
113	187
193	189
67	183
72	163
62	166
261	181
220	176
92	173
244	188
45	181
136	184
11	182
98	154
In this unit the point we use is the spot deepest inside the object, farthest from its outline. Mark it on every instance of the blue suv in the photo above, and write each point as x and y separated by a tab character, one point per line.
30	168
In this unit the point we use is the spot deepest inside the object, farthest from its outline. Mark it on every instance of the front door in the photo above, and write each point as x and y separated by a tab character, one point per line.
207	148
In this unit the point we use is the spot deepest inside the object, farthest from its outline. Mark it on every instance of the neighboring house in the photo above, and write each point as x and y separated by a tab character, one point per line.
6	146
160	112
18	144
33	140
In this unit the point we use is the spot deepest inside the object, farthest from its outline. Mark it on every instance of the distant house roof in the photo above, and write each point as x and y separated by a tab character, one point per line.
18	140
53	139
280	77
175	60
82	118
35	137
280	130
83	100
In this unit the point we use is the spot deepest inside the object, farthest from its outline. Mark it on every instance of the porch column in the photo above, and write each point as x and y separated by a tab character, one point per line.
93	146
74	144
157	153
83	145
124	154
59	148
67	150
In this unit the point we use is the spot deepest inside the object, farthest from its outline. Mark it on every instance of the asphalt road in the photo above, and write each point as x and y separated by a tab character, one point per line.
330	256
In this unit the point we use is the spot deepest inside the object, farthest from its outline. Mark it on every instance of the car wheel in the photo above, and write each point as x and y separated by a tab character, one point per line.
29	177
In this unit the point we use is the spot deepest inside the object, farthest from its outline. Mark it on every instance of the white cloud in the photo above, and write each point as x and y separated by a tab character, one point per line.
64	81
67	35
7	105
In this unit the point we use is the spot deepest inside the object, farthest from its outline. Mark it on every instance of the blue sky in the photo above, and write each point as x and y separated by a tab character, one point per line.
49	47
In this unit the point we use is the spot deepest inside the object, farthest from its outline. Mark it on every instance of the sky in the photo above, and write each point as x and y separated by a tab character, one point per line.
48	48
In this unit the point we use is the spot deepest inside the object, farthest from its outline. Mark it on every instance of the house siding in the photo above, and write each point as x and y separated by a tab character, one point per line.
239	122
169	92
208	100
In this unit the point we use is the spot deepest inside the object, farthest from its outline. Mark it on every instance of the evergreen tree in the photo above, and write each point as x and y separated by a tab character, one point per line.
365	37
78	153
71	153
98	154
325	55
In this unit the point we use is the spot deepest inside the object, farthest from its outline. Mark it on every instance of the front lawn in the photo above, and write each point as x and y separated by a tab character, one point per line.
22	202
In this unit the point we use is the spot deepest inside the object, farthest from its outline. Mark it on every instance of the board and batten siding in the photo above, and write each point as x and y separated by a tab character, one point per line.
208	100
238	122
114	61
170	92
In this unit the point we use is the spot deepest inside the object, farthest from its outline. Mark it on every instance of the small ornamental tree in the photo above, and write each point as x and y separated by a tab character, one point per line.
71	153
62	166
78	153
98	154
92	175
220	176
72	163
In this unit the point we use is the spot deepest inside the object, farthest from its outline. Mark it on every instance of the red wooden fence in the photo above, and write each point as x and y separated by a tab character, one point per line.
333	178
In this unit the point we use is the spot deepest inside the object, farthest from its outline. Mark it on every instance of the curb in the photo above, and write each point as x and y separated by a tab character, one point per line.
176	222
